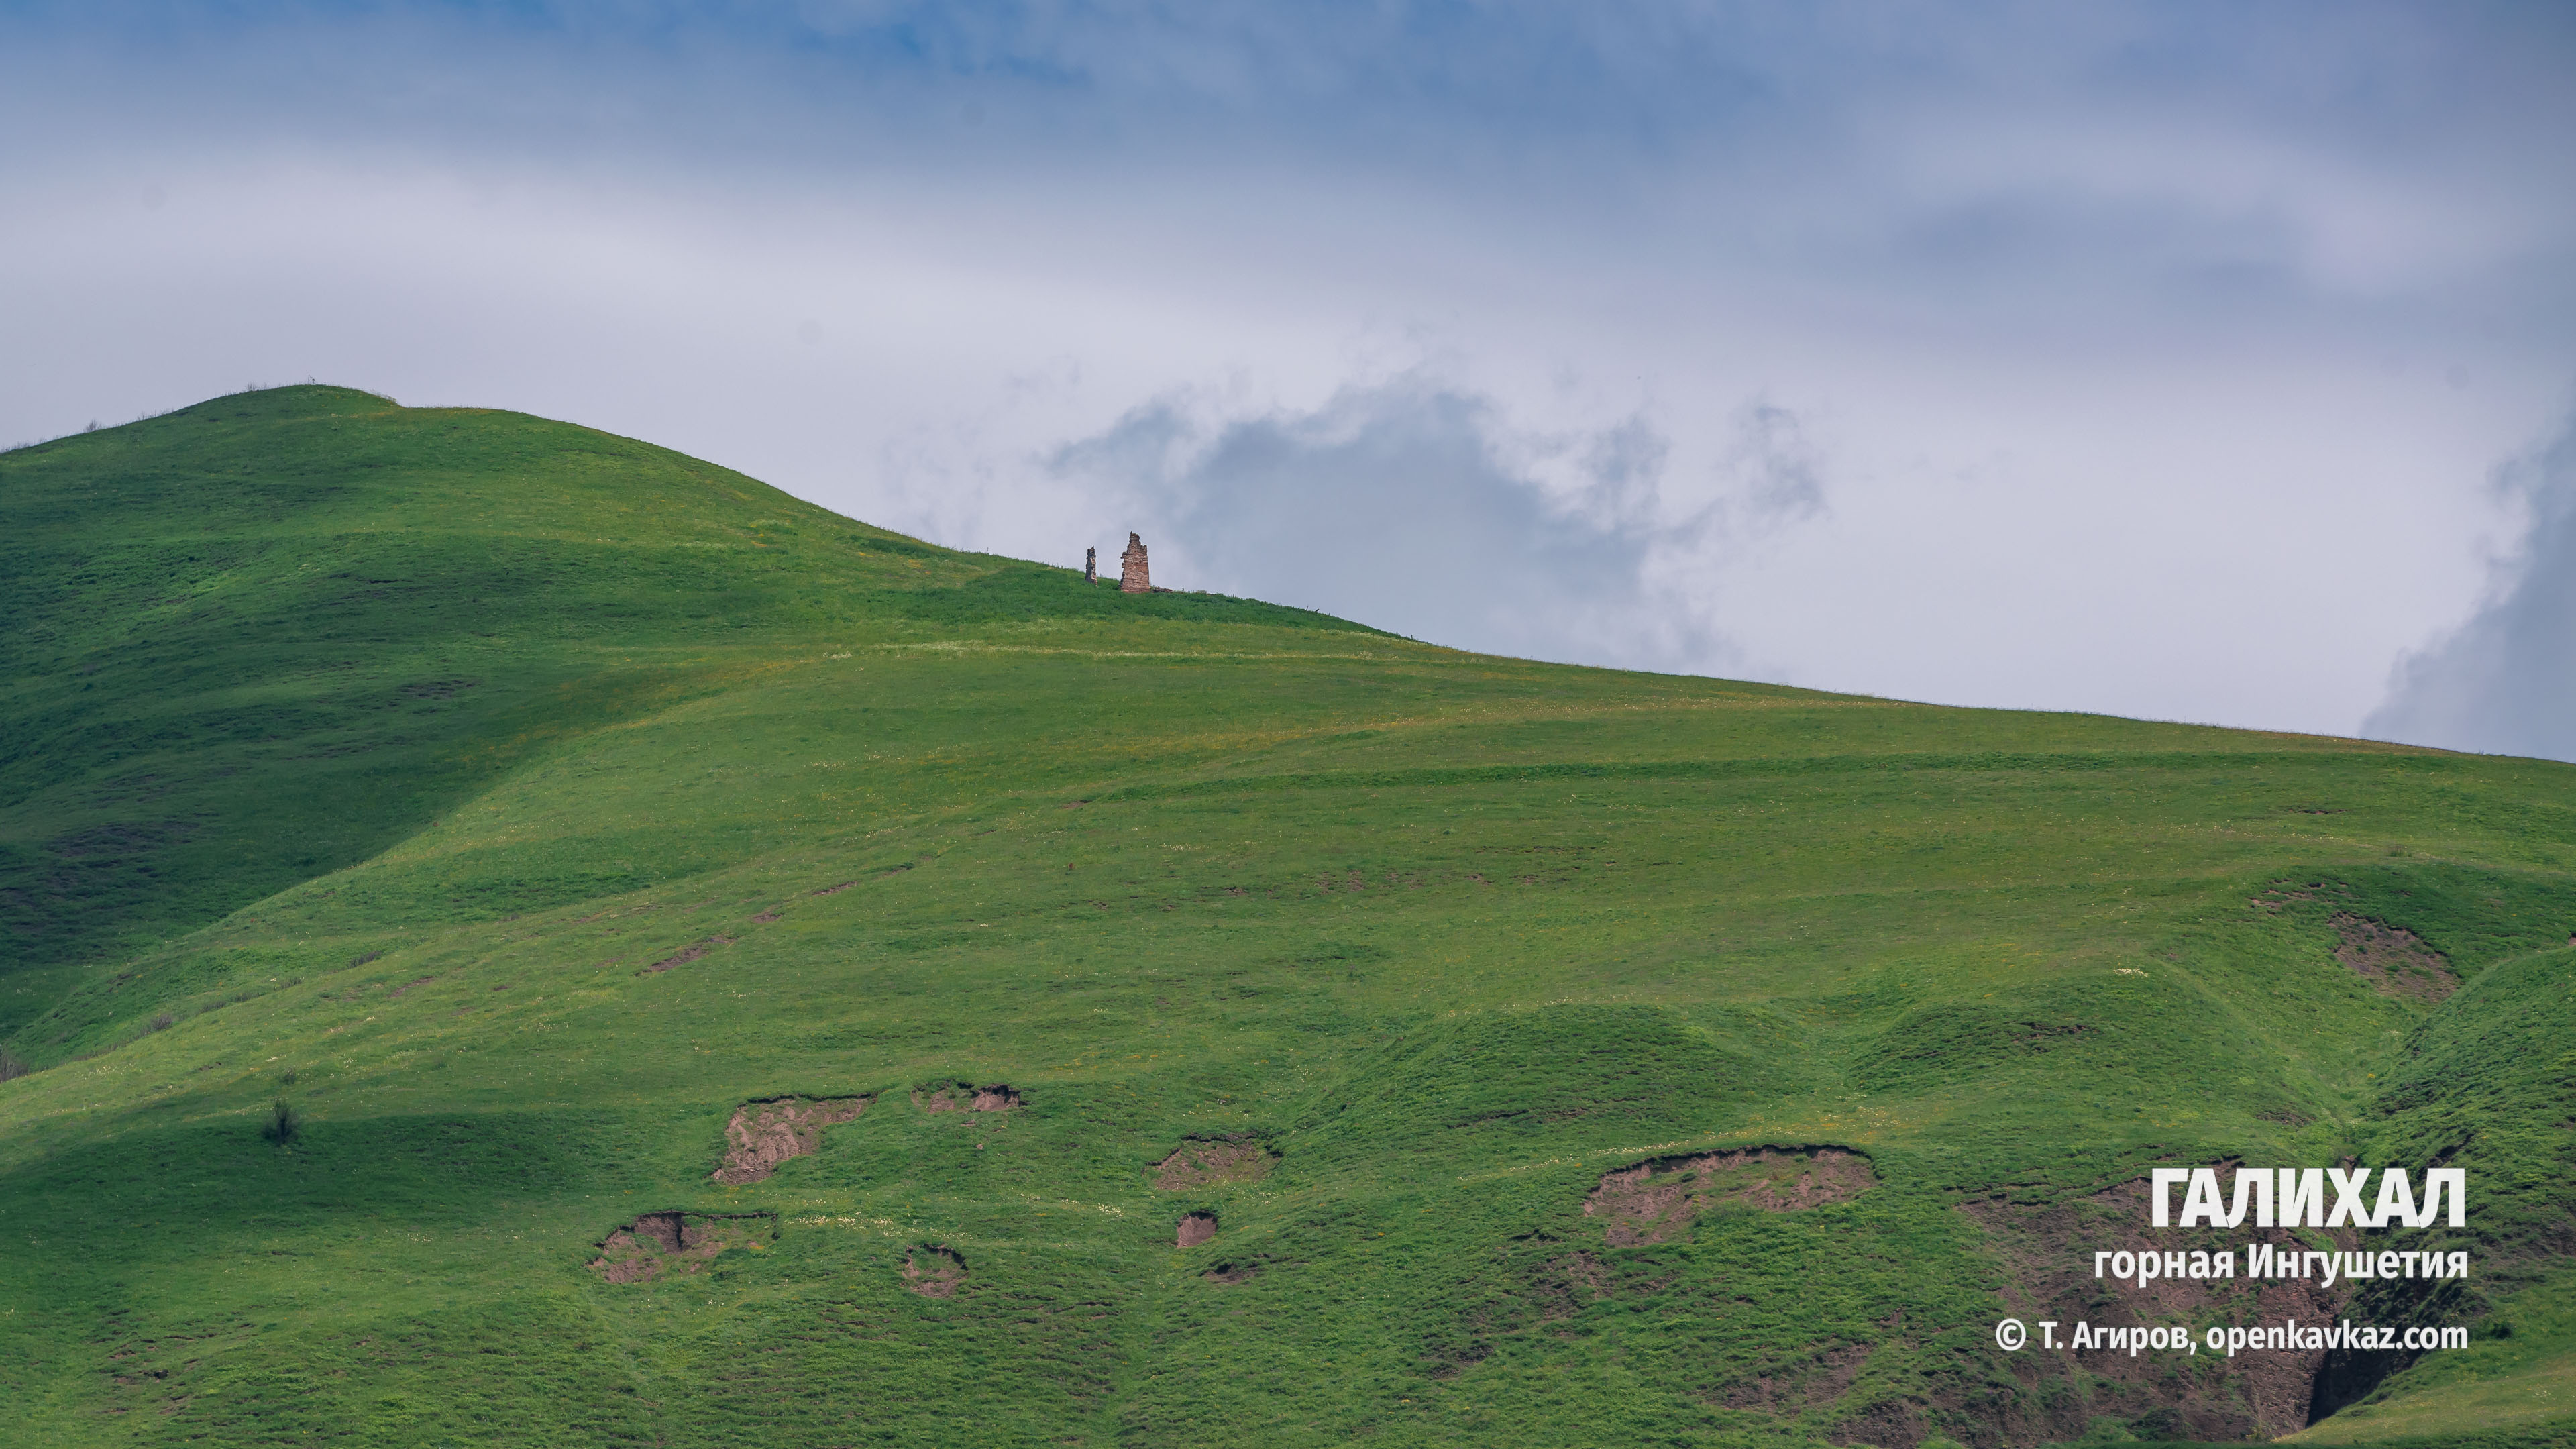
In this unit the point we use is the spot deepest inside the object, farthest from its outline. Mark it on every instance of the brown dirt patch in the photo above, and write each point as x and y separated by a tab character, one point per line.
625	1259
964	1097
2395	961
768	915
765	1134
677	1243
2048	1252
1208	1164
833	890
934	1272
1194	1229
687	954
1226	1275
1654	1201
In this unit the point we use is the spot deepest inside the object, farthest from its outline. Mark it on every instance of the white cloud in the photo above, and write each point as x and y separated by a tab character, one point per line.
2018	355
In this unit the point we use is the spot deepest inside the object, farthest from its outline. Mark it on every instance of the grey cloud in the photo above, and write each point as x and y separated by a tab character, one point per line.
1412	507
2081	172
1993	237
1774	468
1624	468
2505	682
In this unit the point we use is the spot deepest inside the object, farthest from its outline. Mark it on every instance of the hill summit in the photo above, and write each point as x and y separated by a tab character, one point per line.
518	936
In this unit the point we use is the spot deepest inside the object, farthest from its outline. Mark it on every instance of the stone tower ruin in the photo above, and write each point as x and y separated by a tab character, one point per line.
1132	578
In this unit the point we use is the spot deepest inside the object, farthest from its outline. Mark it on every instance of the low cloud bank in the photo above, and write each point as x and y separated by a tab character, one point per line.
2505	682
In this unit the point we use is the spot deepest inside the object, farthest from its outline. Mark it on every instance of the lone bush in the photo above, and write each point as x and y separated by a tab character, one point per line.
282	1123
11	1067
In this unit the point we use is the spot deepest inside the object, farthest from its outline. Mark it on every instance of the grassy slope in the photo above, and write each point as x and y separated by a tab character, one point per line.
271	635
384	747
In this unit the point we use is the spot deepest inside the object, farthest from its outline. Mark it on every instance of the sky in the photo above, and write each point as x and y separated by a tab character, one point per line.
2211	362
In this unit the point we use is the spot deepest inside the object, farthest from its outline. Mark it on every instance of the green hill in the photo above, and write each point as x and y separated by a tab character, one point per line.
1531	1055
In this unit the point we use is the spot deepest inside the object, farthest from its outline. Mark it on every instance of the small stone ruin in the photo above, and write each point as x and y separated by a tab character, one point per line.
1132	577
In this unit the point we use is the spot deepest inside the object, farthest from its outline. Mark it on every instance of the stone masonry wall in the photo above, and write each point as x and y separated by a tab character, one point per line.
1131	568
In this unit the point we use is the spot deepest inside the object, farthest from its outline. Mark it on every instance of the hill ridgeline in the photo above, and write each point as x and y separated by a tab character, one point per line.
511	935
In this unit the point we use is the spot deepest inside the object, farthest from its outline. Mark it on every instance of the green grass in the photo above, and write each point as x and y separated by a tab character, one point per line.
390	748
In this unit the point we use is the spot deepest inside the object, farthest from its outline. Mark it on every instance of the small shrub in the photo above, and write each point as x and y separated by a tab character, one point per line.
286	1078
163	1022
283	1123
12	1067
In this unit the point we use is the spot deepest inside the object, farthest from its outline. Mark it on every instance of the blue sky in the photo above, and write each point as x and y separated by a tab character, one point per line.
2190	361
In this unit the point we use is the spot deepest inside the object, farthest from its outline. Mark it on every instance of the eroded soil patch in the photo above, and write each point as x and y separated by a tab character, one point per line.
965	1097
1226	1275
1654	1201
2048	1253
1207	1164
677	1243
2395	961
1193	1229
765	1134
934	1272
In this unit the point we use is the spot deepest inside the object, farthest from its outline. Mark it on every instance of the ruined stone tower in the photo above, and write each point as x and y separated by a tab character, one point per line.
1131	568
1091	565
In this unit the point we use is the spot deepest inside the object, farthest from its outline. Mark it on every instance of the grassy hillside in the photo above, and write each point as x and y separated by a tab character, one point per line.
517	803
269	636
